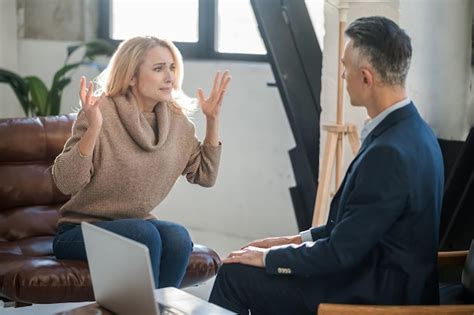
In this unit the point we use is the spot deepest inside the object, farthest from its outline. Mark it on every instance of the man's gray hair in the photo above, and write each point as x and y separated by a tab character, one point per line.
384	45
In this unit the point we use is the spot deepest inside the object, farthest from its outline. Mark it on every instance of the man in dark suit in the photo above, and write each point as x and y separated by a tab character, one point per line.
379	245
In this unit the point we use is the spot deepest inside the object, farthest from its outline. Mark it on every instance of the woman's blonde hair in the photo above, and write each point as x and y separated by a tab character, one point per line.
126	62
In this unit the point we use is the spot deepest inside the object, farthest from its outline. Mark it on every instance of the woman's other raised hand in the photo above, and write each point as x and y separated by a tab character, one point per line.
90	104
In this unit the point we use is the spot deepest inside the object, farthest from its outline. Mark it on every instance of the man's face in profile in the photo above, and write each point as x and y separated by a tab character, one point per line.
353	75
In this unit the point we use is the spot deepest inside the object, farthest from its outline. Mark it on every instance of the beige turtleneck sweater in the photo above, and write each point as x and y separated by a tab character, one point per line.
136	161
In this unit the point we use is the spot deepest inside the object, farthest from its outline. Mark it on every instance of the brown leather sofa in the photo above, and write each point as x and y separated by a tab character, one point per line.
29	200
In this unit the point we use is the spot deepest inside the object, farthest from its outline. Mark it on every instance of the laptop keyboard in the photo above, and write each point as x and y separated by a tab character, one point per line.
168	310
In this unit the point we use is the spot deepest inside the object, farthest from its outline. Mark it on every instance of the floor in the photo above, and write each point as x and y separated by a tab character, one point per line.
221	243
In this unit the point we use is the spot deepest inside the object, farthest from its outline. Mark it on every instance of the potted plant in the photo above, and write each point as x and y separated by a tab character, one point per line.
35	98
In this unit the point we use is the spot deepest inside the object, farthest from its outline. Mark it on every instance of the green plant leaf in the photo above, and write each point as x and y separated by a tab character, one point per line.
92	49
32	93
39	95
60	81
71	49
64	70
98	47
55	96
19	87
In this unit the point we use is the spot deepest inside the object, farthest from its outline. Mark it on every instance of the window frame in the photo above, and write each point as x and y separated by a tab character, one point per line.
203	49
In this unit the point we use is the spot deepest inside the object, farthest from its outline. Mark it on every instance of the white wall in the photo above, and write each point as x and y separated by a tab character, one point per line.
8	56
440	76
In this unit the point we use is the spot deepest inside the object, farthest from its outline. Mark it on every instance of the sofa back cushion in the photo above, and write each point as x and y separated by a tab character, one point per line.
29	199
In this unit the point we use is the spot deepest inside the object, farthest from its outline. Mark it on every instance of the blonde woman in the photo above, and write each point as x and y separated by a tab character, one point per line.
127	149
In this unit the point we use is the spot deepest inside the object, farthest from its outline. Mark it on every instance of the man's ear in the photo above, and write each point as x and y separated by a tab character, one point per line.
367	77
133	81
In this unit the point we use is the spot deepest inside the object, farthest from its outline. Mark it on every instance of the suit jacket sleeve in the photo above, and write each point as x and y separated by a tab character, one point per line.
318	232
376	197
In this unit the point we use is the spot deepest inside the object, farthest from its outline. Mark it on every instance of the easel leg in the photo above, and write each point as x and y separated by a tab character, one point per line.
339	158
354	141
322	195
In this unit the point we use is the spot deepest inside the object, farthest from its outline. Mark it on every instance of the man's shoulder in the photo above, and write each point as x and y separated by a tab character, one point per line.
410	129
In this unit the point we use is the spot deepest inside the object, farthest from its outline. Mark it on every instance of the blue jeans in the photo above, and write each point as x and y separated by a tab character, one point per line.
169	244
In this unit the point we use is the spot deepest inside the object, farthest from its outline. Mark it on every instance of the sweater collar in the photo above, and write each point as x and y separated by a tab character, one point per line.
138	127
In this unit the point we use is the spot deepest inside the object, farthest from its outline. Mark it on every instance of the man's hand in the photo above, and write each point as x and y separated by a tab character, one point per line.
275	241
252	256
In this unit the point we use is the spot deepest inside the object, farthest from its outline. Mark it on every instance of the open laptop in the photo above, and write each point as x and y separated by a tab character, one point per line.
122	278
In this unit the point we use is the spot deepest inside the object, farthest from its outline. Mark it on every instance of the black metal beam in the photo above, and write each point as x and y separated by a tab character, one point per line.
296	61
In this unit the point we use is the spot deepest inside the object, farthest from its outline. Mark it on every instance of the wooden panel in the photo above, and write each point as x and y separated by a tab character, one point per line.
340	309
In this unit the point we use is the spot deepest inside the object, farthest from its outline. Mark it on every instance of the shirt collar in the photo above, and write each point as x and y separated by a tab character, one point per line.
374	122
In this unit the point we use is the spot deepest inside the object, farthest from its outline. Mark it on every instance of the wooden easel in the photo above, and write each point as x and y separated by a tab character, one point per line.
333	149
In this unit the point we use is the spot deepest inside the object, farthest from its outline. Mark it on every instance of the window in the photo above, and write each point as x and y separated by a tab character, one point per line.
316	14
191	24
236	28
138	17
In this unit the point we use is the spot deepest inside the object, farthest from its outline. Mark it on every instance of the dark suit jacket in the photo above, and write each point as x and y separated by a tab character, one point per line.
379	245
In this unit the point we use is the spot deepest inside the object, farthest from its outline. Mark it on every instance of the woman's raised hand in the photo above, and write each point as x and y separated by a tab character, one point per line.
90	104
211	106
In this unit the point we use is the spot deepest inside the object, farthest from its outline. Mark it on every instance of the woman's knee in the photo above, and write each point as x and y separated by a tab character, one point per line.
183	235
175	236
137	230
180	239
147	234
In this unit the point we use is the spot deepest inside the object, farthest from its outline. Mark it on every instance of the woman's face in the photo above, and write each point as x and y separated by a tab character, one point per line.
155	78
